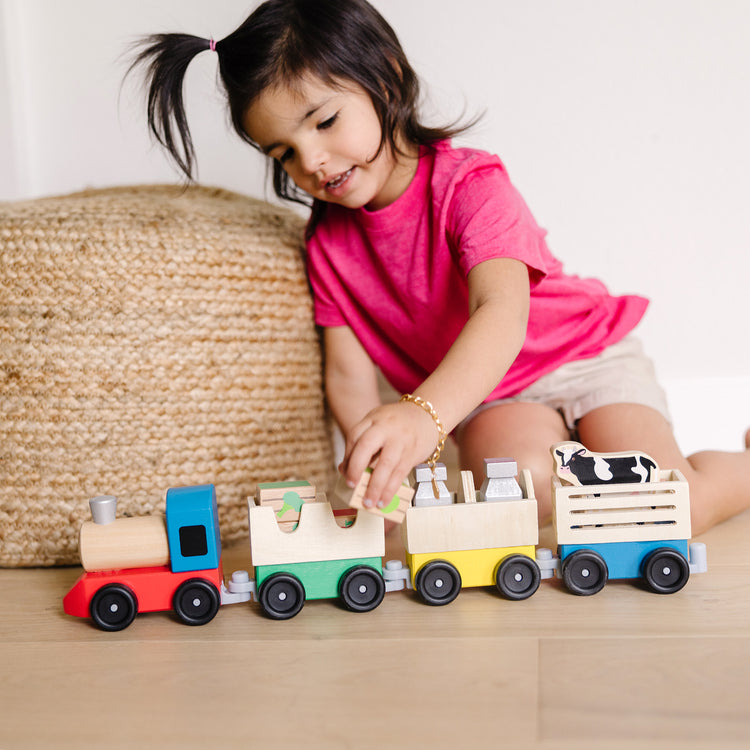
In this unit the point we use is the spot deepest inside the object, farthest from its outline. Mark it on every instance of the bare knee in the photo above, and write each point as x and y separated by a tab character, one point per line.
521	431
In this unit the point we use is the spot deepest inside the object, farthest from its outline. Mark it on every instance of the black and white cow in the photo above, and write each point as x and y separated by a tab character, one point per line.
576	465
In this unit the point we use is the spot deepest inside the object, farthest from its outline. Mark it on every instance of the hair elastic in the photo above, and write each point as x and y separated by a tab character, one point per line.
212	44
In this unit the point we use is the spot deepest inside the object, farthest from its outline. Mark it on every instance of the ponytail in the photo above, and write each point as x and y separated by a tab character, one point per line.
166	58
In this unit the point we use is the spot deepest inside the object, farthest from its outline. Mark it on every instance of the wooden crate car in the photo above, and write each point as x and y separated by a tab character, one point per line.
612	531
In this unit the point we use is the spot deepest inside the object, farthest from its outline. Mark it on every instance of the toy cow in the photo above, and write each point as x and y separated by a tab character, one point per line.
576	465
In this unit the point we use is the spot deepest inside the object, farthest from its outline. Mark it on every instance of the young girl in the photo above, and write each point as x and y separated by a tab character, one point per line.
425	262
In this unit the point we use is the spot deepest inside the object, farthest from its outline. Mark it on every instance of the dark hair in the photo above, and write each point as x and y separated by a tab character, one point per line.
280	42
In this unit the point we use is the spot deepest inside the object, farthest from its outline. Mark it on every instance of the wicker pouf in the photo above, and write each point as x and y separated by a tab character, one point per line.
150	338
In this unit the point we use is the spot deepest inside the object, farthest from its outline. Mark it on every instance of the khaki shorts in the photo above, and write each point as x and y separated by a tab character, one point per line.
622	373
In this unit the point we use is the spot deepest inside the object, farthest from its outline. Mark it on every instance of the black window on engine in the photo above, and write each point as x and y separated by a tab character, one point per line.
193	541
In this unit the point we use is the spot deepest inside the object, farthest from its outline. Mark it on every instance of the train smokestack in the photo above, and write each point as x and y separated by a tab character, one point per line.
103	509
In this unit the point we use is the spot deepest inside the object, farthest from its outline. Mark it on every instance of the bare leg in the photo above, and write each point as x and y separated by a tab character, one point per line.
719	486
521	431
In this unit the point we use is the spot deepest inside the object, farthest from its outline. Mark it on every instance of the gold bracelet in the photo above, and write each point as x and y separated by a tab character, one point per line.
430	409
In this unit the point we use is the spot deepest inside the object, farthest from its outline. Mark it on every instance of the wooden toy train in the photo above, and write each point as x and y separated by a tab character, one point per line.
615	516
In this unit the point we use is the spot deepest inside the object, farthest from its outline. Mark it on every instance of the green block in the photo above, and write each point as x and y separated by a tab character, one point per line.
319	579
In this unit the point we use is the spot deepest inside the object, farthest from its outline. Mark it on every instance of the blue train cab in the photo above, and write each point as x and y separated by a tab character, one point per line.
193	528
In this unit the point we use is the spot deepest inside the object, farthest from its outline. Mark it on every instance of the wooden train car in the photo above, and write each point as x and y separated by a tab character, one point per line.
623	528
474	541
319	559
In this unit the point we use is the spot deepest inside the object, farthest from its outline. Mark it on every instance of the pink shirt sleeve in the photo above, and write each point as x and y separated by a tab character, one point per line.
487	218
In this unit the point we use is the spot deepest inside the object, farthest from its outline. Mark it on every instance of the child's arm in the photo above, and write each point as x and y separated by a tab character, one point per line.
350	378
403	434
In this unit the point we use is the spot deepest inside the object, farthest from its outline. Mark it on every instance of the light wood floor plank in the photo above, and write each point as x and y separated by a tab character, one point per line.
292	694
645	689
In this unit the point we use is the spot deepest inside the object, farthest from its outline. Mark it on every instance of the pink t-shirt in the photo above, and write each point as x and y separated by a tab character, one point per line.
397	276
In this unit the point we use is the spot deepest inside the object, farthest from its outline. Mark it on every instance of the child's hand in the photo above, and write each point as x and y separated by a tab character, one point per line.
393	439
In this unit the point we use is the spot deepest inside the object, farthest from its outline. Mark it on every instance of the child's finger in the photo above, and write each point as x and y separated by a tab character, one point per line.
352	441
363	454
354	435
386	479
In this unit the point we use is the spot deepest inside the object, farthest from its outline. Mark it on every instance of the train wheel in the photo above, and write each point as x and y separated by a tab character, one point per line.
585	572
438	583
362	588
518	577
666	571
196	601
282	596
113	607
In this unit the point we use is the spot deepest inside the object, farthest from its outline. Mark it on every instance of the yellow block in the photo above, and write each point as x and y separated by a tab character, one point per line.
477	567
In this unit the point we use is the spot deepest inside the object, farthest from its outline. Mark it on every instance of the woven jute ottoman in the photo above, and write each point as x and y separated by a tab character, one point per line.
150	337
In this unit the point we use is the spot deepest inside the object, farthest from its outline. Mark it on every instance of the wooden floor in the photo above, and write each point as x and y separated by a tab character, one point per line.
624	668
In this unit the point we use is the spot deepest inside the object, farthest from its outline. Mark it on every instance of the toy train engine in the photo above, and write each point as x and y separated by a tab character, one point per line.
150	563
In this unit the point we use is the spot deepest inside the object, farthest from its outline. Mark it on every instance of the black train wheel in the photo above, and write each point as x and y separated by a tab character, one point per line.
518	577
585	572
666	571
362	588
196	601
113	607
281	596
438	583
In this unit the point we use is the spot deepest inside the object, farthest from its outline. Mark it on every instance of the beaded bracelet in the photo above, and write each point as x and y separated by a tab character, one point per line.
430	409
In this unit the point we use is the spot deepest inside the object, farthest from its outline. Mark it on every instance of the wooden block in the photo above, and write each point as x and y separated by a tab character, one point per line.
124	543
267	492
318	536
604	513
286	498
468	493
394	511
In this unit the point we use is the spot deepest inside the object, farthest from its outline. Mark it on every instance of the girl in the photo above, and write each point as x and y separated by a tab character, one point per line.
425	262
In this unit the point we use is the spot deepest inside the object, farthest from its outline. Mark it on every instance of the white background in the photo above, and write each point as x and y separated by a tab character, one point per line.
626	126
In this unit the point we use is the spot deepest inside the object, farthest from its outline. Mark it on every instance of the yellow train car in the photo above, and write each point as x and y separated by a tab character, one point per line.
474	542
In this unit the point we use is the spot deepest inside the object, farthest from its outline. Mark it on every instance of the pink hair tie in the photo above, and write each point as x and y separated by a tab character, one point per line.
212	45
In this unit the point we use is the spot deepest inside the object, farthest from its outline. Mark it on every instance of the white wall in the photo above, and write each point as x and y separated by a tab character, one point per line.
625	126
9	142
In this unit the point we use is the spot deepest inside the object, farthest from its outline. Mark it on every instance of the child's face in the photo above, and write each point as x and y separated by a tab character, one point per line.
325	138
